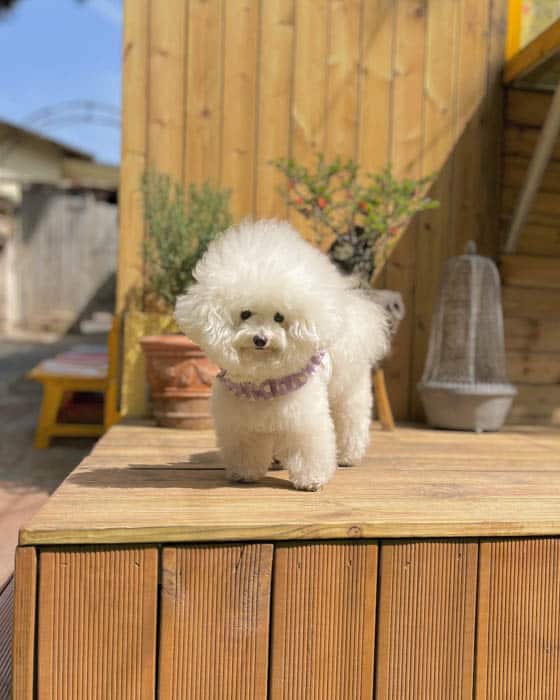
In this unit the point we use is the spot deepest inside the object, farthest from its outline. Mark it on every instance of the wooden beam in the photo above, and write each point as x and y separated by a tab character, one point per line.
530	271
513	40
542	48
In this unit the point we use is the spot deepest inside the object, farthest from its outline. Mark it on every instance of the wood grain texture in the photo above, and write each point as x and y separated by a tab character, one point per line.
6	637
536	403
238	125
134	141
166	95
518	647
531	335
530	302
406	156
433	239
425	646
97	623
148	484
215	622
341	109
323	621
276	76
534	367
25	598
204	90
530	271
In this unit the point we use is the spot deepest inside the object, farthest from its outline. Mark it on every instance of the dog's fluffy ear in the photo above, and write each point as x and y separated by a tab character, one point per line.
202	318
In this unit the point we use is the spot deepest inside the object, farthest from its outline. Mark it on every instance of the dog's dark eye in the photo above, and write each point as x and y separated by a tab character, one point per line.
278	317
245	315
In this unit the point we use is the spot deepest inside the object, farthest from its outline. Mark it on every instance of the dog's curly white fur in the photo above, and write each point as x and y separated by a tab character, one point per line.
264	302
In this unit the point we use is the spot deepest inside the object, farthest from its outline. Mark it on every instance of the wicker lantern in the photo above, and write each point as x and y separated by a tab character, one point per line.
465	385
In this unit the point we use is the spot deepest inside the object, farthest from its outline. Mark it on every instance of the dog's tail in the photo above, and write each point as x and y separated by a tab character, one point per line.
370	327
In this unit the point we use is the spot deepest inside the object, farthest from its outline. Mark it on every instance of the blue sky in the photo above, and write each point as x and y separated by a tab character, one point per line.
58	51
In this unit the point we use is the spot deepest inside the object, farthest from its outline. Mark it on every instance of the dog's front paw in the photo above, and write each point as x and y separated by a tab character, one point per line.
241	477
308	484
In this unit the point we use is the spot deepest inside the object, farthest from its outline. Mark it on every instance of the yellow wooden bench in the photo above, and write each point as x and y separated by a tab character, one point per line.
81	369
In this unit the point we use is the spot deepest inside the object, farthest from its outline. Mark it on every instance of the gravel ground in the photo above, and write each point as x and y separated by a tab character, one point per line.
28	475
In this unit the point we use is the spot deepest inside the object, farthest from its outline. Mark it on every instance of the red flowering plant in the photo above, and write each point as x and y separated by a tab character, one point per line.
357	219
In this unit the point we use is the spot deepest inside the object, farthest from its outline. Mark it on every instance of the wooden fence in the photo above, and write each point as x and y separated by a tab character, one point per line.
214	89
63	254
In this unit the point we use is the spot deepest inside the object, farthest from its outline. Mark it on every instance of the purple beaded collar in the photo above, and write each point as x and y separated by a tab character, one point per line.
271	388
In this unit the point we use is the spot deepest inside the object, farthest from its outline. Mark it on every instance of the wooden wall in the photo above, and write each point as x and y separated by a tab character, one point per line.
215	89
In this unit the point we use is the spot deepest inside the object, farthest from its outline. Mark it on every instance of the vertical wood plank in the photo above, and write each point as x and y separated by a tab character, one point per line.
23	648
97	623
215	622
204	79
307	137
469	178
518	642
240	103
133	150
275	97
376	82
166	107
425	643
493	129
406	157
375	90
343	54
310	80
441	90
323	621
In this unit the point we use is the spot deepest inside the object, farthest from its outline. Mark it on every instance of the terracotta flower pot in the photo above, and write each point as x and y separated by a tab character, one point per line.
180	377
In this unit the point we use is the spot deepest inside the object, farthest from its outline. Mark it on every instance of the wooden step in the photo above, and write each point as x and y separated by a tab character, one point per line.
521	140
533	367
530	271
531	335
536	404
533	303
515	173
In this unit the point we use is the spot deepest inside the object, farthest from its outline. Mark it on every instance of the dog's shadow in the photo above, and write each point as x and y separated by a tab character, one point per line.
202	471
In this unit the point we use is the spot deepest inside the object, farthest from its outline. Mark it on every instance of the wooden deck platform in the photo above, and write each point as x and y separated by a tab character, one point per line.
430	571
148	484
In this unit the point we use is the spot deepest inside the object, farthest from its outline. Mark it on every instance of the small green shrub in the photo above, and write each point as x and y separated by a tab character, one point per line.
179	227
361	216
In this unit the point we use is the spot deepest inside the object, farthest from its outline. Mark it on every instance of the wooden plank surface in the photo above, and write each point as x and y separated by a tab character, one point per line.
426	620
323	621
531	335
536	403
276	74
238	124
204	89
97	623
215	622
529	302
518	644
407	129
134	141
159	485
534	367
23	650
530	271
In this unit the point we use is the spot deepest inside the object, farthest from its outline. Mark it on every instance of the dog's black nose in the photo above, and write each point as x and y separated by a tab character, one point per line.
259	341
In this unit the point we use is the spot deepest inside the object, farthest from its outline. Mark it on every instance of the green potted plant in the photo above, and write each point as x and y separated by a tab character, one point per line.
180	224
356	218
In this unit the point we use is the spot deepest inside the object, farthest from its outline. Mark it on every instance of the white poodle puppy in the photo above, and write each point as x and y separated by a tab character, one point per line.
295	342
